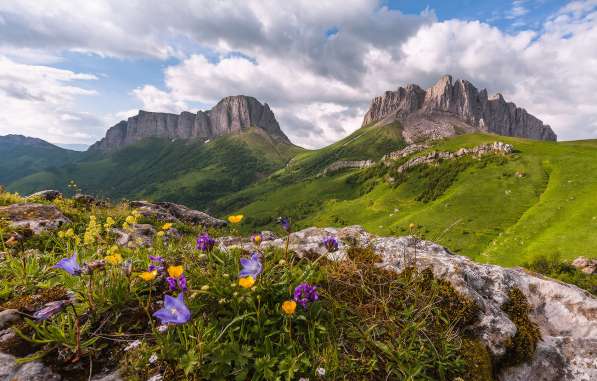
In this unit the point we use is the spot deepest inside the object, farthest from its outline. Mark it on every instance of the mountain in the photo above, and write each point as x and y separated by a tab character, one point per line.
23	156
231	115
450	108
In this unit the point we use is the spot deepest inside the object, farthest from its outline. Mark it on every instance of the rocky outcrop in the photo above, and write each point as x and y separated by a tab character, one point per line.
449	108
11	370
343	164
565	314
433	157
230	115
171	212
136	235
47	195
586	265
406	151
36	217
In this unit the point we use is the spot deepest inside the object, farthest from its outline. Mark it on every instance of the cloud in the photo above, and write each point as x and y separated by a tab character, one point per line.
40	101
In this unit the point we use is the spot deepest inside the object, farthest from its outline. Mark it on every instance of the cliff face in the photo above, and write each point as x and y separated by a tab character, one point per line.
230	115
449	108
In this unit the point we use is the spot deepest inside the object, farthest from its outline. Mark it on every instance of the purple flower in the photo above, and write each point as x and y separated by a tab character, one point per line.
257	238
70	265
180	282
251	266
156	259
205	242
305	293
50	309
175	311
285	223
330	243
156	264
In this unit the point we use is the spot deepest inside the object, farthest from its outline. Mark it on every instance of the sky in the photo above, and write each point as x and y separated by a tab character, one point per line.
70	69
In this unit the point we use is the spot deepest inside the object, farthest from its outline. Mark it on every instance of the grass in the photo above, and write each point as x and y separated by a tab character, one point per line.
368	323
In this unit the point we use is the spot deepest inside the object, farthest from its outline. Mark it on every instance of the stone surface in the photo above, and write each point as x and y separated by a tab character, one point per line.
30	371
565	314
586	265
37	217
137	235
230	115
114	376
9	317
171	212
343	164
87	200
406	151
48	195
449	108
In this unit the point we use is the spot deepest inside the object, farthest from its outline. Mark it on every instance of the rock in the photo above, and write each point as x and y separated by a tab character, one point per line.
586	265
36	217
29	371
449	108
171	212
406	151
48	195
8	317
87	200
230	115
343	164
565	314
113	376
137	235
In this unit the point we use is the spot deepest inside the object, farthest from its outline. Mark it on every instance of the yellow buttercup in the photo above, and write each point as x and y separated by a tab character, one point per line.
235	219
246	282
289	307
175	271
148	275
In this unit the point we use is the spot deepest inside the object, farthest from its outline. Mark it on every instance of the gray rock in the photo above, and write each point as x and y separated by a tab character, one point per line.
30	371
232	114
449	108
48	195
37	217
137	235
343	164
586	265
113	376
9	317
565	314
87	200
171	212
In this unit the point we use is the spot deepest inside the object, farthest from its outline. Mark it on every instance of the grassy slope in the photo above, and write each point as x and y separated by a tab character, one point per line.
192	173
489	213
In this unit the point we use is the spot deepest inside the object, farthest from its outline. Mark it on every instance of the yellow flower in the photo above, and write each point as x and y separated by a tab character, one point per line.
175	271
130	220
61	234
235	219
167	226
205	287
113	249
109	223
412	226
148	275
246	282
69	233
289	307
160	233
114	259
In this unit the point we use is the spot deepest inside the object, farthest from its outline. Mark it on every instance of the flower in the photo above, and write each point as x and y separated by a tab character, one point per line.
175	271
109	223
205	287
133	345
330	243
70	265
246	282
153	358
148	275
256	238
175	311
305	293
412	226
251	266
289	307
50	309
167	226
114	259
176	278
235	219
320	372
205	242
130	220
69	233
285	223
160	233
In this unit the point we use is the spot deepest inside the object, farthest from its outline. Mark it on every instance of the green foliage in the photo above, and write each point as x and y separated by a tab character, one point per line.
527	335
554	267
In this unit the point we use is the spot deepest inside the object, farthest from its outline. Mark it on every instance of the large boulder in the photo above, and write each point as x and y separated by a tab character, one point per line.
565	314
136	235
10	370
33	216
48	195
586	265
171	212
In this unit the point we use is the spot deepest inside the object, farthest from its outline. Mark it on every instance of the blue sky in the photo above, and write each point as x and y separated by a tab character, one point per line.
82	67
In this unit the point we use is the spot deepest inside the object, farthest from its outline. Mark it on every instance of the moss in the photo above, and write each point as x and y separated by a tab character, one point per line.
524	342
478	365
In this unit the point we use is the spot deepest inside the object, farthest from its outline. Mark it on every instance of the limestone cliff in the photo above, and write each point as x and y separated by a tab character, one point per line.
230	115
449	108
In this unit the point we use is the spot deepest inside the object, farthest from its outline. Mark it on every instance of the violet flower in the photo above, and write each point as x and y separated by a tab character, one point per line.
205	242
156	264
285	223
70	265
330	243
251	266
174	283
175	311
50	309
305	293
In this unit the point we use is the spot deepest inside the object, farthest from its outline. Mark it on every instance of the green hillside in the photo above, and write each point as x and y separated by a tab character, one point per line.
23	156
190	172
506	210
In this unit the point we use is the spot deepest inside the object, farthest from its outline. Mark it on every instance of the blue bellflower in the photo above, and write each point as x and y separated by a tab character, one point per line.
70	265
175	311
251	266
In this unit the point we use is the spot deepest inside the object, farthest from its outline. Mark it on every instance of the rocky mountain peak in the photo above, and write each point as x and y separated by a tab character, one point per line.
232	114
452	107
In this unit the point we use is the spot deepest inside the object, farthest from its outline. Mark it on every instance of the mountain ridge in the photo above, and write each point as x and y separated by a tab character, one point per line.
451	108
232	114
